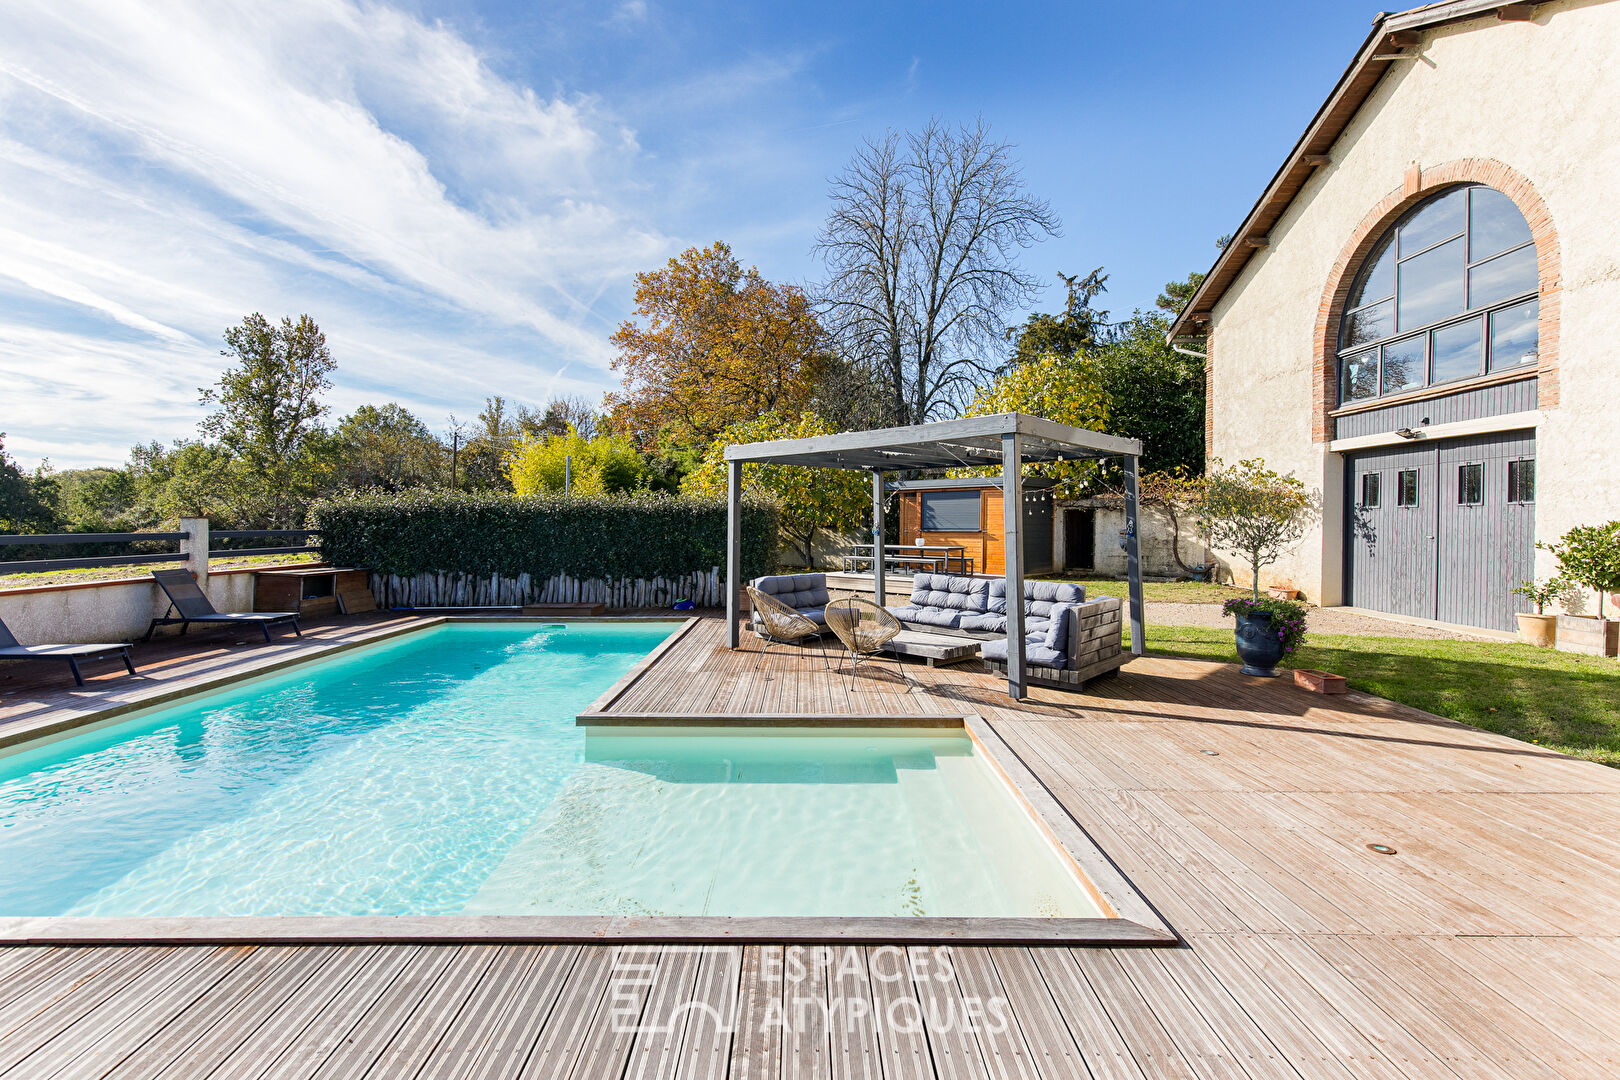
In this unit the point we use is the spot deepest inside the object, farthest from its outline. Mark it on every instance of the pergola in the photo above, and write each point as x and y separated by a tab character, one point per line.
1005	439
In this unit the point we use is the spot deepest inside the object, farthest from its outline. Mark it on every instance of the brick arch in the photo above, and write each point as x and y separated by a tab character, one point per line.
1420	185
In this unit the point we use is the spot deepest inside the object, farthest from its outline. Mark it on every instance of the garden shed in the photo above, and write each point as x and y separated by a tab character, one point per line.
968	513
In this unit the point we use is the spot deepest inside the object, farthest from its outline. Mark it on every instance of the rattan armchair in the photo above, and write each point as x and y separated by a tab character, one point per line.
776	622
864	628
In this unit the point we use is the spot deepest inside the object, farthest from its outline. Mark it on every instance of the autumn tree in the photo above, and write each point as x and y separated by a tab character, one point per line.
812	500
712	344
569	462
1058	389
921	250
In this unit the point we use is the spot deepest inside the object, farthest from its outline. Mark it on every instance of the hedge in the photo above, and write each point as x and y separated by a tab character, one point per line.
632	535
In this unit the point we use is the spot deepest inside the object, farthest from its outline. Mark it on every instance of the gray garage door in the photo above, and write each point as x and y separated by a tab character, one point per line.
1442	530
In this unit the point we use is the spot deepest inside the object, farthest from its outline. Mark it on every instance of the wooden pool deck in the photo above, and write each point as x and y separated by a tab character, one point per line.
1488	946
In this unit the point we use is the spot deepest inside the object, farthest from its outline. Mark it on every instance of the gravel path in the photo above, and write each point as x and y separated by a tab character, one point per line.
1318	621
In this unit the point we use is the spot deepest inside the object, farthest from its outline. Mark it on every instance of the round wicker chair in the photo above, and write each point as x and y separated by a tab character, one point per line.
864	628
776	622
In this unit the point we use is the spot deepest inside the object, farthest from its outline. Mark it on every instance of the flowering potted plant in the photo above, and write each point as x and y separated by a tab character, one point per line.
1268	629
1538	628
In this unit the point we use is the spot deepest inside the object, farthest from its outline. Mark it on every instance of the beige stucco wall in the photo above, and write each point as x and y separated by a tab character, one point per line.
1541	97
115	612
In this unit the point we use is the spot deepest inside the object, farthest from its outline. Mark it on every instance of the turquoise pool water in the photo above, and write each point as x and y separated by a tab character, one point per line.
442	773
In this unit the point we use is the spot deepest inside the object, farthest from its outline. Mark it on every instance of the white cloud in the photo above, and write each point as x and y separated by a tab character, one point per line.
166	168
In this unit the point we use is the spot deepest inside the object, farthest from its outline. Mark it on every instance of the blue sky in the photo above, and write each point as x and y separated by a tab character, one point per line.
460	193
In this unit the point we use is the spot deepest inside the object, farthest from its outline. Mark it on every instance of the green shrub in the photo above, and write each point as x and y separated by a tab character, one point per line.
633	535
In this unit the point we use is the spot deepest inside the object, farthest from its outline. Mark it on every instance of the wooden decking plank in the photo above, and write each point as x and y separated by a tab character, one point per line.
13	959
655	1047
946	1018
528	1005
852	1029
1413	1058
1559	1015
251	1037
1416	1017
994	1019
581	997
903	1051
1500	1035
1099	1043
607	1042
322	1033
182	1035
706	1045
51	977
806	1047
386	1014
756	1048
431	1020
98	1043
1294	1037
472	1029
1155	1052
1189	1028
138	971
1226	1016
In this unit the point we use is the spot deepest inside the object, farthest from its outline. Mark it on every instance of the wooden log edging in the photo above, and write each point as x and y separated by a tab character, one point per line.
705	588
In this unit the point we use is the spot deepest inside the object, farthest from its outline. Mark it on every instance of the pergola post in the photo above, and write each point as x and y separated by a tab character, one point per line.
877	538
733	554
1012	520
1133	554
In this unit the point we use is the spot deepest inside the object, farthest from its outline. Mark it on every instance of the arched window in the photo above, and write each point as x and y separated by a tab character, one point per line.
1449	292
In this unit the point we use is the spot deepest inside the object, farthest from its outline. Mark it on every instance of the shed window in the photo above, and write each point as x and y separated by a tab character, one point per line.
1370	493
950	511
1470	484
1406	491
1449	292
1522	481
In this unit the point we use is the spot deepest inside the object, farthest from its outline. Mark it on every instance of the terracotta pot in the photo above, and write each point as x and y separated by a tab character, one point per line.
1282	592
1538	630
1318	682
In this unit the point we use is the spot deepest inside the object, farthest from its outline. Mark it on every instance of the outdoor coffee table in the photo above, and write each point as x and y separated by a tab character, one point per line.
937	649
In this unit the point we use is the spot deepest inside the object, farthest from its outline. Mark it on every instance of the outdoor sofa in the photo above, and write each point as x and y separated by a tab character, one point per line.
11	649
804	593
1068	640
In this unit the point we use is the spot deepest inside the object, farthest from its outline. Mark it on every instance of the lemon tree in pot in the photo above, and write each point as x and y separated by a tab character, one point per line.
1260	514
1589	556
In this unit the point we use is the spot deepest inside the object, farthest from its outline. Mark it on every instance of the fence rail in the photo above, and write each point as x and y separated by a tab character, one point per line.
96	562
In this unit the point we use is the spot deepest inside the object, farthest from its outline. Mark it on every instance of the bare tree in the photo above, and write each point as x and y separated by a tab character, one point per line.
921	250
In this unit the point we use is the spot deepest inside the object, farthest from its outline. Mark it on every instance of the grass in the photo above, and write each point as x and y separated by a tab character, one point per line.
1154	592
135	570
1563	701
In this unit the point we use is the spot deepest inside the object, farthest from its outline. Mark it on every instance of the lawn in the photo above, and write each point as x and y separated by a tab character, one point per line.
1154	592
1562	701
136	570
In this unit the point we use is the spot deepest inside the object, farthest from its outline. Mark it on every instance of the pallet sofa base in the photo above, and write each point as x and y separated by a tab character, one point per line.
1062	679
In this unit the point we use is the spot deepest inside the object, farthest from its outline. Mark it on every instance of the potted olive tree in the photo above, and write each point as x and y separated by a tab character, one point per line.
1249	509
1538	628
1589	556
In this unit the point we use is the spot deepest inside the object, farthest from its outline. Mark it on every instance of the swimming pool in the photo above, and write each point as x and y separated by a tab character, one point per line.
441	773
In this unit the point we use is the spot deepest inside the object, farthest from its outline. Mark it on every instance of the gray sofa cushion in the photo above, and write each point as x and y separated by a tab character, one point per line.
997	624
944	618
1035	652
954	593
796	590
1041	596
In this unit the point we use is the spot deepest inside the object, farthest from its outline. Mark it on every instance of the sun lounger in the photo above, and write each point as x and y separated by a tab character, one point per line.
191	605
10	649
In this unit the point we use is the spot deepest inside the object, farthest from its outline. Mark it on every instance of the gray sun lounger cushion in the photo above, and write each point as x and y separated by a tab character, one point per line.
191	605
12	649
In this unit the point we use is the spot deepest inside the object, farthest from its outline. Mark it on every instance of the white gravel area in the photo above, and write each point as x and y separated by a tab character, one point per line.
1317	621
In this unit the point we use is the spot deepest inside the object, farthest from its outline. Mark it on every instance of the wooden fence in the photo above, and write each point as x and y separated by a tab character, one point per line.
703	588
